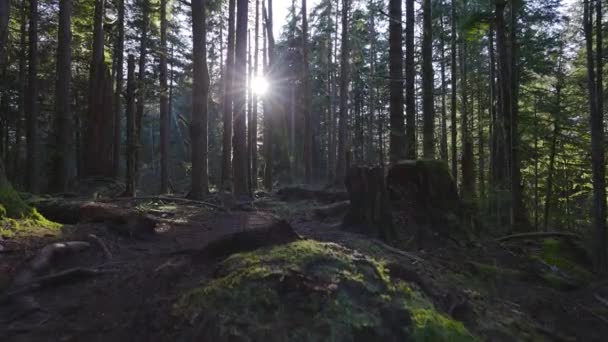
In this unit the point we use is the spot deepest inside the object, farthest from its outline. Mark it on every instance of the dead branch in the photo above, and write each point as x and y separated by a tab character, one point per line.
538	235
101	245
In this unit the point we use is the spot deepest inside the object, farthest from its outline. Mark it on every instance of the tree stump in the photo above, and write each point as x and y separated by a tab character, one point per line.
370	210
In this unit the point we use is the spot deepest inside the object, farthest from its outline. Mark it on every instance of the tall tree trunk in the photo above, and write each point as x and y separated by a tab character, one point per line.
331	148
480	144
597	136
467	162
397	132
372	88
239	165
5	8
227	105
200	93
141	82
16	167
428	80
443	144
453	81
118	77
32	108
131	130
63	117
410	82
165	120
308	136
250	133
253	147
268	105
344	81
552	152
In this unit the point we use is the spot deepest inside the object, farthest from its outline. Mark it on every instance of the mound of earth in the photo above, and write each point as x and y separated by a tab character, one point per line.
310	291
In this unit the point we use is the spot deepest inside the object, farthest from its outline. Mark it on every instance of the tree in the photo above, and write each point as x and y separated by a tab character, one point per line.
200	93
344	81
32	106
268	105
428	105
227	104
131	130
308	136
253	144
410	82
397	129
443	143
119	47
595	89
165	122
239	165
453	81
5	9
63	117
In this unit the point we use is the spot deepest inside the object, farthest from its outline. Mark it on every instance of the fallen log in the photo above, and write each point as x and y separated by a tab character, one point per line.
539	235
170	199
297	193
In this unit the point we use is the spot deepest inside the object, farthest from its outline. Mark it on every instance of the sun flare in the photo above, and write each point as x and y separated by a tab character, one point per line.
259	85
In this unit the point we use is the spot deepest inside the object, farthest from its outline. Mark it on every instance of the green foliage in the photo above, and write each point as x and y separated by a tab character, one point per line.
18	218
566	271
309	290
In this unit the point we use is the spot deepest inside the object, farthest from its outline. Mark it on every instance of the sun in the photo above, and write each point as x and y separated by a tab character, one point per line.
259	85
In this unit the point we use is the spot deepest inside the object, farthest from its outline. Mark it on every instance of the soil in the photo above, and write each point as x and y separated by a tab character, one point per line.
132	299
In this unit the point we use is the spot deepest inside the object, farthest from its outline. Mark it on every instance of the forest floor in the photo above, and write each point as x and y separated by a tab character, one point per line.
487	285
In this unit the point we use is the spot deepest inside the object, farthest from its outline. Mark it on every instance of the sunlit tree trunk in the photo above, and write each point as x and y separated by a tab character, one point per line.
200	92
253	147
227	104
239	164
268	105
344	81
118	76
308	136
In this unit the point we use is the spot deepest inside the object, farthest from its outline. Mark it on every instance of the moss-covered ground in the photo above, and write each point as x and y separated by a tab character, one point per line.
17	218
311	291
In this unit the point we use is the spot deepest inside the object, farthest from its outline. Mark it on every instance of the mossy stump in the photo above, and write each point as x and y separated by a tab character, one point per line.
369	211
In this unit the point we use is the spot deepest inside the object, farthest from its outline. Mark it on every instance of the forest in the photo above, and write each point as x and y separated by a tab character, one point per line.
303	170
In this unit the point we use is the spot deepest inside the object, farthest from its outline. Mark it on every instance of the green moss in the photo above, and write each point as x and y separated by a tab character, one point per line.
568	273
17	218
308	290
432	326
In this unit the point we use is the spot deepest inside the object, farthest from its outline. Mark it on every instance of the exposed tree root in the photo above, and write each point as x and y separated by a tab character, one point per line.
101	245
538	235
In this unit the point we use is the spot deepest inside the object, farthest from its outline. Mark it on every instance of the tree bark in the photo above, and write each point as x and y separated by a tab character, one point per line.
306	100
16	167
141	82
467	162
226	171
200	93
253	147
131	131
453	81
410	82
63	116
428	83
165	121
597	137
118	77
239	165
32	105
397	130
443	144
344	81
5	8
268	105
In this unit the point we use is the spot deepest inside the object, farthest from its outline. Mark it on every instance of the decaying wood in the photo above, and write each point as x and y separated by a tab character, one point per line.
538	235
101	245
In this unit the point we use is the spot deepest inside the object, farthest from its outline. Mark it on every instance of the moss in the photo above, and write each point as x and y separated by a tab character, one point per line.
432	326
17	218
308	290
566	271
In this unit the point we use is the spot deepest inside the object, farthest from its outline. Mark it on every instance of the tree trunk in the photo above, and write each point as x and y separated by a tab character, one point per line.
410	82
453	77
250	133
443	144
306	100
16	167
397	133
344	81
63	117
428	80
165	121
32	108
5	8
467	162
331	148
118	77
597	137
200	93
268	105
239	165
253	147
131	131
141	82
226	172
